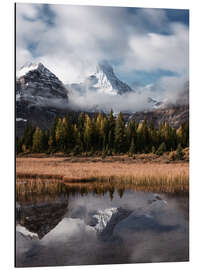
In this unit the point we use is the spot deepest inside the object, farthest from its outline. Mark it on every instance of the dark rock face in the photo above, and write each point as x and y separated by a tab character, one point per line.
42	117
40	97
116	218
40	83
103	80
41	218
173	115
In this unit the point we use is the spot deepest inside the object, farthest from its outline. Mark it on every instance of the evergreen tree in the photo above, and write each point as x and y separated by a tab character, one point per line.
120	138
153	149
28	137
52	138
45	139
37	145
145	137
19	143
161	149
179	152
132	147
87	133
60	134
140	139
111	130
104	134
51	147
81	123
130	132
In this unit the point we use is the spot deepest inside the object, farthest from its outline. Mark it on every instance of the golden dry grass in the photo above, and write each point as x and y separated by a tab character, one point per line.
156	176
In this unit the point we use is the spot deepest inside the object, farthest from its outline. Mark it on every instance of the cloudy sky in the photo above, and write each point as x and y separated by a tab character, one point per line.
145	46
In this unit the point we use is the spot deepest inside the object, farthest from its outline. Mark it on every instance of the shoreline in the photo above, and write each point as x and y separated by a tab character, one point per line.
136	158
172	176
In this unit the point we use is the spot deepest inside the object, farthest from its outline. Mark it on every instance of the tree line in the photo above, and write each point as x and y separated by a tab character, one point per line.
104	135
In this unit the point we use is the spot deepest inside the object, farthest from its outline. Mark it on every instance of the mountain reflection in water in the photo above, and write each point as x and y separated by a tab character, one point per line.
59	224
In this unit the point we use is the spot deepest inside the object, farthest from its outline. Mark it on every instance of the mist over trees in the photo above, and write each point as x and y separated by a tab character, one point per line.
103	135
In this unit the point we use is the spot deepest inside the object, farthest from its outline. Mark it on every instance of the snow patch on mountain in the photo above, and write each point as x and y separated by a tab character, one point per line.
33	66
103	217
26	68
26	232
39	86
21	119
104	81
155	104
107	82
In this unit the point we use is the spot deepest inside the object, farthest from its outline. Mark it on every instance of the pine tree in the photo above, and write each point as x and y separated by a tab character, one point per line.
153	149
28	137
132	147
87	132
50	144
19	143
37	145
140	138
161	149
60	134
98	130
77	149
104	134
120	137
146	138
111	130
130	132
185	135
81	122
179	152
53	134
45	140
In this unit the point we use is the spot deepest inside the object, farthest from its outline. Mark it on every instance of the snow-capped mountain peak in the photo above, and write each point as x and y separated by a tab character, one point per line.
155	104
105	67
103	74
39	86
105	80
31	67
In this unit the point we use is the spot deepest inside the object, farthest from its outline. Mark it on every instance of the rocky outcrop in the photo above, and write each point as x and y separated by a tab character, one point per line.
174	115
103	80
41	218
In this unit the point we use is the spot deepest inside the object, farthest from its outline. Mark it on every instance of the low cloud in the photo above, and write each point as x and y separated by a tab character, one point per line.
167	90
80	36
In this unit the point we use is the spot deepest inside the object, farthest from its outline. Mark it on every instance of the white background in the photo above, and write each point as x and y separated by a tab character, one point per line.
196	130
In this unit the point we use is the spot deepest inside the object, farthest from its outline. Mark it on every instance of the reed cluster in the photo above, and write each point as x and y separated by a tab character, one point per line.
36	175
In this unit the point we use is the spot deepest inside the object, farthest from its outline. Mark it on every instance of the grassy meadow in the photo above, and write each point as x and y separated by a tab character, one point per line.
143	173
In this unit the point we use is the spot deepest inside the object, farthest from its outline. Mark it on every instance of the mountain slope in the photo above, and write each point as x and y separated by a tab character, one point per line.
103	80
174	115
40	96
37	85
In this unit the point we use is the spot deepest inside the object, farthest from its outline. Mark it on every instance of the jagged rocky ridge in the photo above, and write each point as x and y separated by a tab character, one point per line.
35	221
174	115
38	86
103	80
41	96
41	218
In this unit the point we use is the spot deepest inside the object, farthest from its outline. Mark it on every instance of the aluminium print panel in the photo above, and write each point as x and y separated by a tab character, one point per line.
102	135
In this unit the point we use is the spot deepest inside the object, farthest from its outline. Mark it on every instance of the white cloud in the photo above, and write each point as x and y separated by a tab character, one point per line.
155	51
82	36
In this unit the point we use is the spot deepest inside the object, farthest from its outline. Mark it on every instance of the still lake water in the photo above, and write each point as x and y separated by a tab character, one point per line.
77	228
